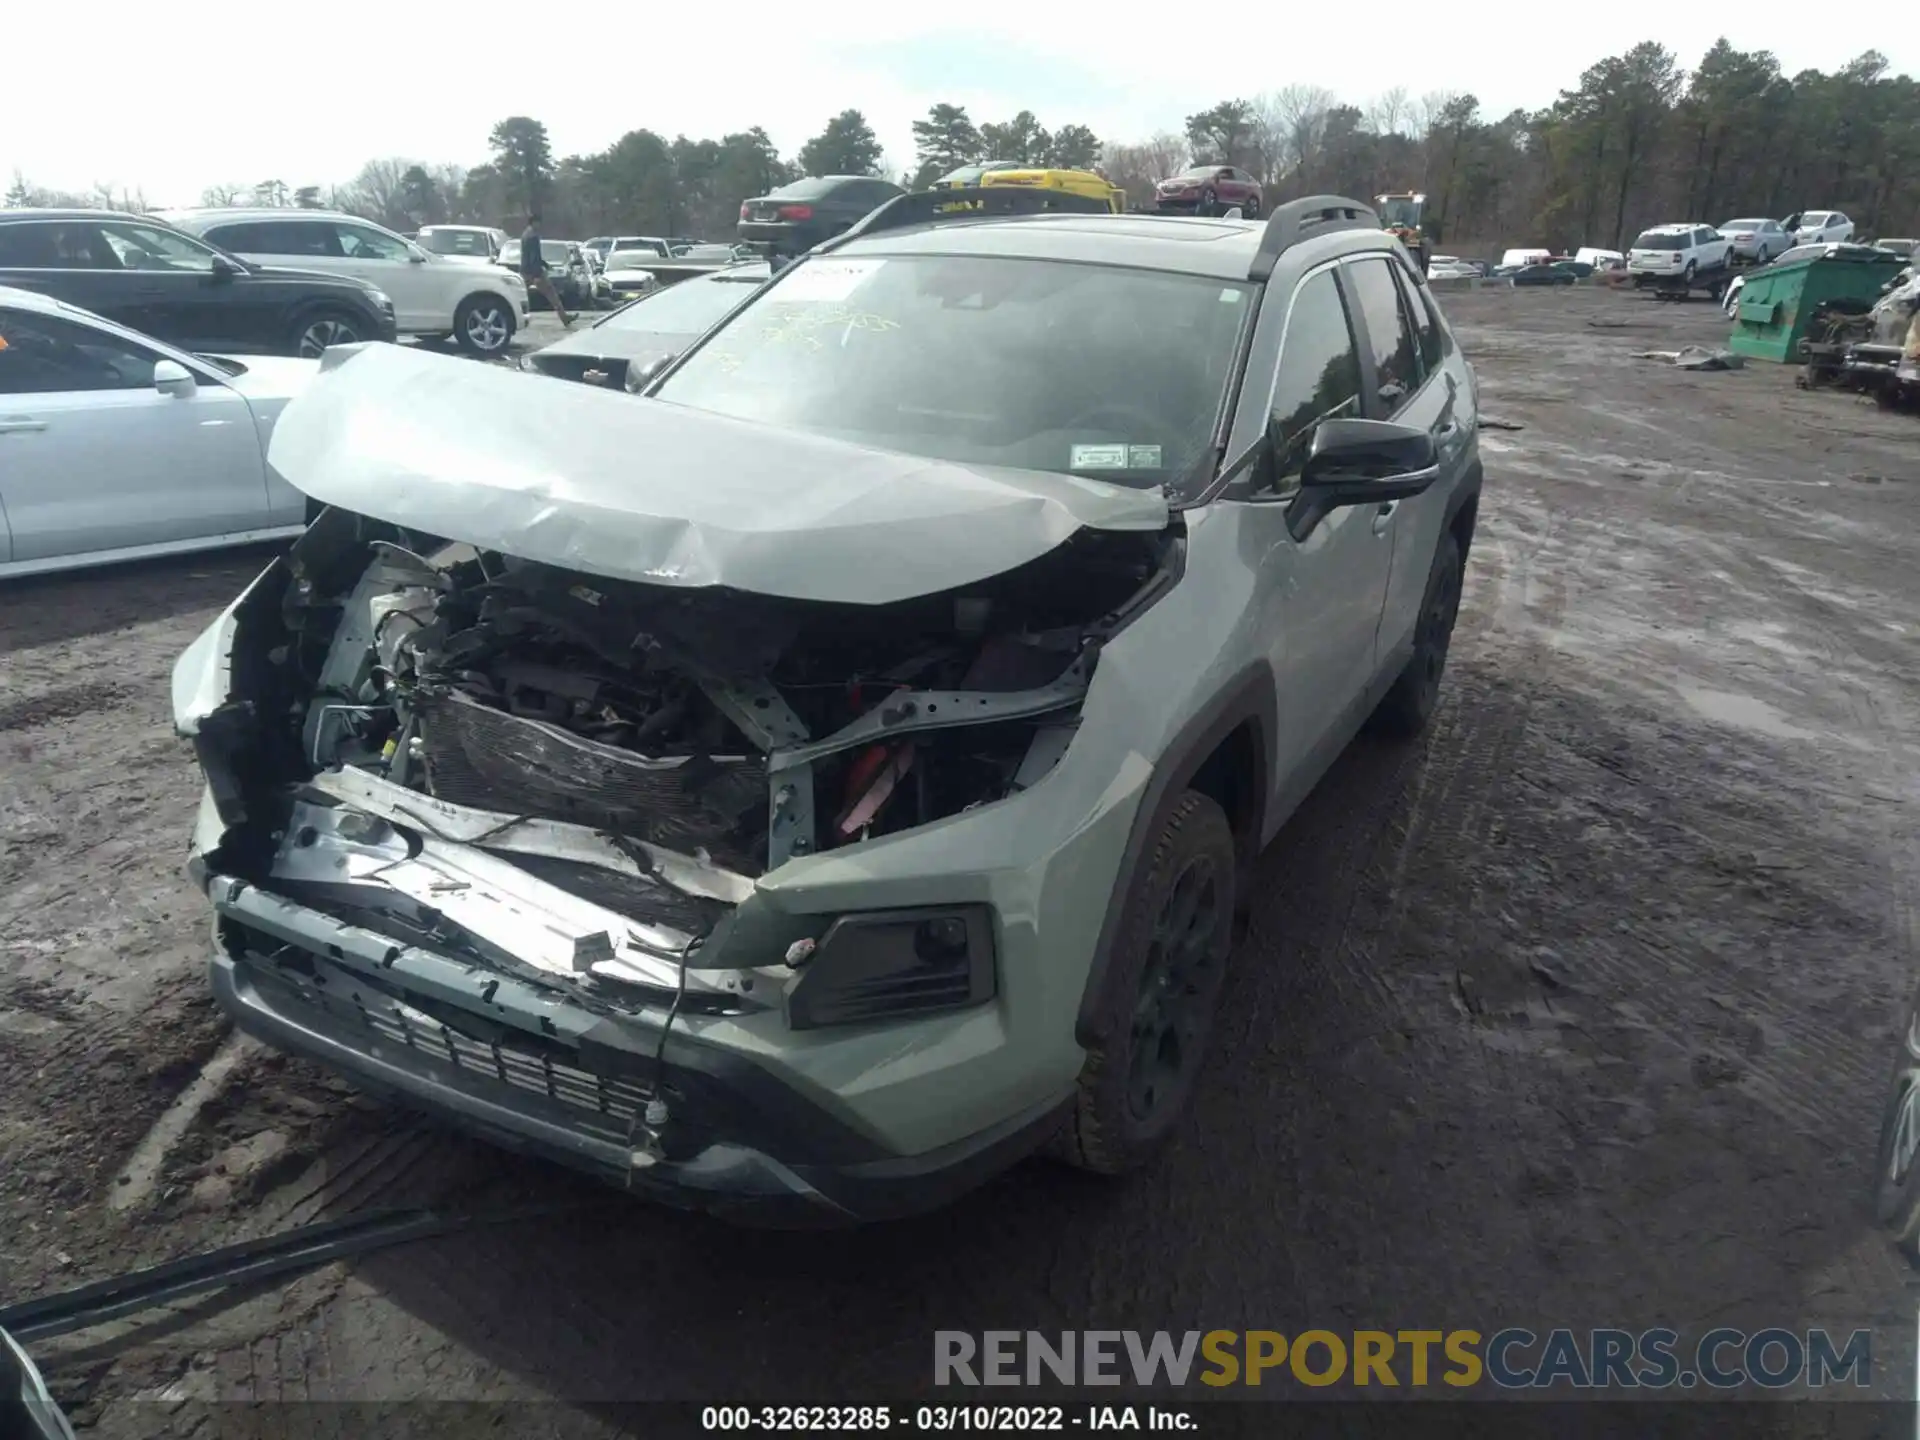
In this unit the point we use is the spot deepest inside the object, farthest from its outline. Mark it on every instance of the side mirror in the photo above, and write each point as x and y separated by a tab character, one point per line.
225	269
170	377
1366	460
639	377
416	256
1360	462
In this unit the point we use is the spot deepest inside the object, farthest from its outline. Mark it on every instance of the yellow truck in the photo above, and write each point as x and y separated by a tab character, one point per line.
1074	182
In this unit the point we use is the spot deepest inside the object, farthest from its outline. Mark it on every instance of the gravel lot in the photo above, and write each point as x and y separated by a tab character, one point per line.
1577	1014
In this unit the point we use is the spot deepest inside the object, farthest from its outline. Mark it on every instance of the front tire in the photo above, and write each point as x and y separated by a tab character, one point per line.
1161	990
484	326
1405	710
1209	202
317	331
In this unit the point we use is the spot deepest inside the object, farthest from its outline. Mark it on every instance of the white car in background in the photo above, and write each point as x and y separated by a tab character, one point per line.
480	306
1817	227
475	244
628	273
115	446
1758	240
1677	252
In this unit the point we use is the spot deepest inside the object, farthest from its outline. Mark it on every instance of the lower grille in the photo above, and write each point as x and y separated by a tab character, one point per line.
490	760
599	1105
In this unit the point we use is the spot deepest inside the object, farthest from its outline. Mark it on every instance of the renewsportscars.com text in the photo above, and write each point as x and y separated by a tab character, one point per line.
1413	1359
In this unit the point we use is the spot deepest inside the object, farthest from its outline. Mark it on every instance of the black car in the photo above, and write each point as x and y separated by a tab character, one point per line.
151	277
797	217
1542	275
615	351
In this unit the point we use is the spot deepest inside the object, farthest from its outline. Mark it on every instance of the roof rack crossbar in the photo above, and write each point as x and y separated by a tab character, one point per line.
1305	219
963	203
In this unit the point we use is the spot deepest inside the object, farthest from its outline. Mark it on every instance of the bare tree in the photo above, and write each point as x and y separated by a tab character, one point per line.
222	194
1389	110
378	192
1293	118
110	196
1422	113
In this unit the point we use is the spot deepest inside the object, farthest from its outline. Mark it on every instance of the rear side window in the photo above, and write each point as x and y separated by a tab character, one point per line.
1426	328
1391	352
1319	375
28	247
313	239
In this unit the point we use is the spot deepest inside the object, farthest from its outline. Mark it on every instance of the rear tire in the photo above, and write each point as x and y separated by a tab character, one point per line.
1160	992
1403	712
1252	208
319	330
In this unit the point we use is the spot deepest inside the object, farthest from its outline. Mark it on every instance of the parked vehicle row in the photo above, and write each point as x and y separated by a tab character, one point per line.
153	277
434	296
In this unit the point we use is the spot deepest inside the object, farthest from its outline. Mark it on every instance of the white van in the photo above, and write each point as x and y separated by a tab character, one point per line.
1599	259
1525	257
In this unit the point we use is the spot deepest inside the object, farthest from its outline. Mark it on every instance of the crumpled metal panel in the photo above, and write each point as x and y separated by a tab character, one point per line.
598	480
483	757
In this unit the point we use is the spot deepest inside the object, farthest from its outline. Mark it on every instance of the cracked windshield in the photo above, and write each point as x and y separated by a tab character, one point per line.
1112	373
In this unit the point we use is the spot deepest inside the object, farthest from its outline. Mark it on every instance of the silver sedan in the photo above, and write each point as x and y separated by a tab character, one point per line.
115	446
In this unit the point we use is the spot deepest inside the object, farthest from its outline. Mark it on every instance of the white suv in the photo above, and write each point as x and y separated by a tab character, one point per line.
1677	252
434	296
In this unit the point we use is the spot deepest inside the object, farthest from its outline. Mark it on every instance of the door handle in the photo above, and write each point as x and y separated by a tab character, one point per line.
1384	516
20	424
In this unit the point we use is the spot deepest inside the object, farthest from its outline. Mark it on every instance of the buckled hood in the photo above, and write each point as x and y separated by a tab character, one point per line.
631	489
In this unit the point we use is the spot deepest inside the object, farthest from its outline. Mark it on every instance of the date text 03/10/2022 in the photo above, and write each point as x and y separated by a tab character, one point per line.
941	1419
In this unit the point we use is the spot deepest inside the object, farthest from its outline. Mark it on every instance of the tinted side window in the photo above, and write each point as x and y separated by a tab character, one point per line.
1426	328
241	239
28	247
1391	351
359	243
1319	376
42	355
57	245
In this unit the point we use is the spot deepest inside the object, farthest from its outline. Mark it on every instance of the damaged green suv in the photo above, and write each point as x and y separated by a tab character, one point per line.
833	774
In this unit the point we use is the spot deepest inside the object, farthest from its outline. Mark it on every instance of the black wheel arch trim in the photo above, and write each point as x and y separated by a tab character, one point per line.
1249	697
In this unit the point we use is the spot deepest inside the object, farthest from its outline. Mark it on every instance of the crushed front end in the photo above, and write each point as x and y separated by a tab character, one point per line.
735	899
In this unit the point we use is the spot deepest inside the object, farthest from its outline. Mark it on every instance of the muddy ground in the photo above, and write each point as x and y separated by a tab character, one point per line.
1575	1014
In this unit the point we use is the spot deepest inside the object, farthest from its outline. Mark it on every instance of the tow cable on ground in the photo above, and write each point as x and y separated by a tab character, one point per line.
28	1410
288	1252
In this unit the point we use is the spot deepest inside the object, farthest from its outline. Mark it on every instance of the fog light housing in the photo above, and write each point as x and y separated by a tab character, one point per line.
894	965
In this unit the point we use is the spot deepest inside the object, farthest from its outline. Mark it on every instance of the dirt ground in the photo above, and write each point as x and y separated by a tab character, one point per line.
1575	1014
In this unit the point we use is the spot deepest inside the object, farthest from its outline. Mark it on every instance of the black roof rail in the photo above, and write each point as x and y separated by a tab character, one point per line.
965	202
1307	219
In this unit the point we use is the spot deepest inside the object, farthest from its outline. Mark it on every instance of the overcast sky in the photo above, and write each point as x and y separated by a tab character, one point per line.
172	99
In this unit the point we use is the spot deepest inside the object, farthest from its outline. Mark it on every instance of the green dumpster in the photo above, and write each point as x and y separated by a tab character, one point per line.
1777	303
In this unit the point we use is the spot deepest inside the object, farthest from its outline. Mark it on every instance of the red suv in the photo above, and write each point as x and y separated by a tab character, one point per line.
1209	190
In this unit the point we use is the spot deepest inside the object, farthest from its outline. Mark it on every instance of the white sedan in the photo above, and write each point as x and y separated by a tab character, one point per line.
114	446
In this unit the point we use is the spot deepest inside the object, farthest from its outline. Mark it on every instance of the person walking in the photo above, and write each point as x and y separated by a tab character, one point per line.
533	269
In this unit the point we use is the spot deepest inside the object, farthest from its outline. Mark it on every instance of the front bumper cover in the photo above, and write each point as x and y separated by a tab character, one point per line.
738	1141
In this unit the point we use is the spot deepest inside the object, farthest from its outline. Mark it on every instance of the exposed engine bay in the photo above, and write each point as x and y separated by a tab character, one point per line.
644	750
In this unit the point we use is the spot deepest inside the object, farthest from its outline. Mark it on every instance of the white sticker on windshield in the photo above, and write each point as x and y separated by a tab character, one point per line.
1143	457
1099	457
824	280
